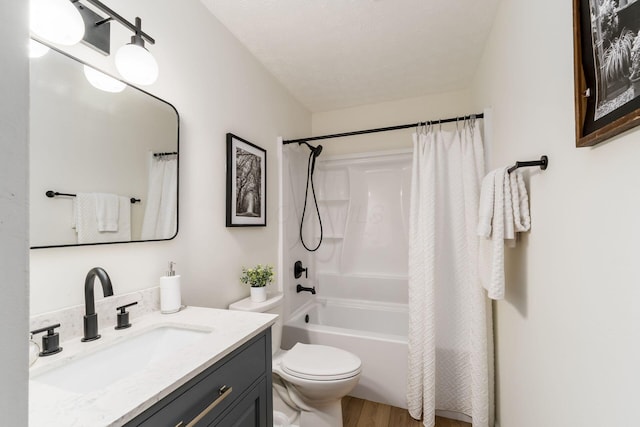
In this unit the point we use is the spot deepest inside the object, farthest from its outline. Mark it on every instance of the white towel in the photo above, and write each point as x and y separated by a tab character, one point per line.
503	211
86	222
495	285
84	213
521	216
107	211
509	233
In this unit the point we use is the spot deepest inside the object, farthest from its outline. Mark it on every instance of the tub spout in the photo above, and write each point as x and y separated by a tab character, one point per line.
301	288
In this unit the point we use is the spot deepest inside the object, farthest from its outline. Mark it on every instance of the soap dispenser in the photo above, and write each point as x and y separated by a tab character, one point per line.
170	299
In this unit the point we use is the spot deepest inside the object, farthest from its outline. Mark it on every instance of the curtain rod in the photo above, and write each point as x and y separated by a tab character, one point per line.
361	132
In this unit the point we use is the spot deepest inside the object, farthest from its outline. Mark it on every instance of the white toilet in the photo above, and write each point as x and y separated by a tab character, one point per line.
311	379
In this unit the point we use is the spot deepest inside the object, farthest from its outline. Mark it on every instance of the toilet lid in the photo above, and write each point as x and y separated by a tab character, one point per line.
320	362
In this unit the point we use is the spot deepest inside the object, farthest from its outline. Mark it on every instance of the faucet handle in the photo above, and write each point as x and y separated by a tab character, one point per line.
123	316
51	341
298	270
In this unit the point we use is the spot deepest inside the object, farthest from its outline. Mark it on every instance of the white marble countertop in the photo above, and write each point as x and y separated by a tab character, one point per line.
125	399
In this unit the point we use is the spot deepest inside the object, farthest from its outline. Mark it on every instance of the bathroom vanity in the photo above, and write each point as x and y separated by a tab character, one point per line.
200	366
233	391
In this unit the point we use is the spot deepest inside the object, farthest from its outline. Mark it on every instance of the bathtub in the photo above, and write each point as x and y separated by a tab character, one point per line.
375	331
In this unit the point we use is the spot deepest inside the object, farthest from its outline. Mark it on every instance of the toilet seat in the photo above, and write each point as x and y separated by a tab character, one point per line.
320	363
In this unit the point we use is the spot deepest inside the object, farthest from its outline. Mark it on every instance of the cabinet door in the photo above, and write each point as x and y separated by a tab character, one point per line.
250	411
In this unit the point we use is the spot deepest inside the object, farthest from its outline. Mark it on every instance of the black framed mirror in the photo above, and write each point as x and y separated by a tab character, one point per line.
103	163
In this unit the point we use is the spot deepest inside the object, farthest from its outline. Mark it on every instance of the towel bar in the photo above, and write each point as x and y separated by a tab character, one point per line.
543	163
51	193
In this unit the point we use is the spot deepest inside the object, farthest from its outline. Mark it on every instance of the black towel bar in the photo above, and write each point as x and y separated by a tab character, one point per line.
51	193
543	163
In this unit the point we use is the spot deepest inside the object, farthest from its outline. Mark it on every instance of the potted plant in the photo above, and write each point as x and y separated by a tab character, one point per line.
258	278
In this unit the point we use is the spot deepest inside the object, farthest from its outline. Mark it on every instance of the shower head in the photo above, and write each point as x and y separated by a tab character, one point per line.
315	150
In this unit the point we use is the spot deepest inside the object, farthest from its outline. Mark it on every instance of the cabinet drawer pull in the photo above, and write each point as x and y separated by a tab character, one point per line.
223	393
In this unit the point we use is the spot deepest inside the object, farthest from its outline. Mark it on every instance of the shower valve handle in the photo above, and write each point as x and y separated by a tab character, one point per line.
298	269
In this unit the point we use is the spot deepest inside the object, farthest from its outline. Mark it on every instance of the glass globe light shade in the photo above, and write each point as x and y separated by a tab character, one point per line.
57	21
36	49
136	64
101	81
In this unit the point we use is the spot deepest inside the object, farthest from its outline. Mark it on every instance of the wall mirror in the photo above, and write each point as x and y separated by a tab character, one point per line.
103	165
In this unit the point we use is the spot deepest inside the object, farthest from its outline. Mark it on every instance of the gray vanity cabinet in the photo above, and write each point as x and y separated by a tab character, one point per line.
236	391
247	412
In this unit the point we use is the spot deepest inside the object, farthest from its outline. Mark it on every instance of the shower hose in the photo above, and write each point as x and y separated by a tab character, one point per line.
310	169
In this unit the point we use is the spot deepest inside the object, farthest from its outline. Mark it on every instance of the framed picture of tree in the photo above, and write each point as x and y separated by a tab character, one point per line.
246	183
606	68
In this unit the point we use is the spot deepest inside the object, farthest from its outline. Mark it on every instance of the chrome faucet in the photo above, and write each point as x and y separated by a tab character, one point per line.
90	317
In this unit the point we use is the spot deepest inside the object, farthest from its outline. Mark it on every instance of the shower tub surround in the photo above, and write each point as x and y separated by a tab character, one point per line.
364	204
360	271
120	401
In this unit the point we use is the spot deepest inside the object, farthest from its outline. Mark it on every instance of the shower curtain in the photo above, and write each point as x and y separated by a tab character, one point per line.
450	339
160	215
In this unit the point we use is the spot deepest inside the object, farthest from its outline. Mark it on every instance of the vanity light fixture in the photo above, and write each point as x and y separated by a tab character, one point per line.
67	22
102	81
133	61
37	49
56	21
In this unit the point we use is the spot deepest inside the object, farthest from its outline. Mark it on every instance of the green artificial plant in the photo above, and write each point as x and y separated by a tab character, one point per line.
257	277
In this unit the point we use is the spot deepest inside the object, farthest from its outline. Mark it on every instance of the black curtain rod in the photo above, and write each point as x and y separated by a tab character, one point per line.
51	193
362	132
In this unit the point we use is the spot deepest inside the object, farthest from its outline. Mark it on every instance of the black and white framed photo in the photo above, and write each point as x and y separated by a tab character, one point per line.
606	68
246	183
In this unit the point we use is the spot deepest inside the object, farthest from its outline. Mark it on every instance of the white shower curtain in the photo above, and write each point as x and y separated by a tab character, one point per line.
450	339
161	215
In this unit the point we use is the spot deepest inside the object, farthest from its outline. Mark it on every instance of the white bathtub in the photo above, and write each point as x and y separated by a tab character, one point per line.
376	332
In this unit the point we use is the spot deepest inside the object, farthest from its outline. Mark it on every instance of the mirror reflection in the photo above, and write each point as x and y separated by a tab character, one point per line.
103	162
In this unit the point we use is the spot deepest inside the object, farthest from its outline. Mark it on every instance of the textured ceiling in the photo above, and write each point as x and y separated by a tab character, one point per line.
333	54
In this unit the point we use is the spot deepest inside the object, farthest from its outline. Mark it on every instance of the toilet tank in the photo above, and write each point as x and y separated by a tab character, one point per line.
272	305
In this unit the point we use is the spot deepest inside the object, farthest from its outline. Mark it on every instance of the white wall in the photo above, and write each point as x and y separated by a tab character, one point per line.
431	107
568	332
217	87
14	122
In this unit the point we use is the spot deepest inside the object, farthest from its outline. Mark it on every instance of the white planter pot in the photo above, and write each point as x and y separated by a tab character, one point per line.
259	294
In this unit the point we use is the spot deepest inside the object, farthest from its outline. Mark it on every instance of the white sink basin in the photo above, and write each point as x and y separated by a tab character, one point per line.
119	360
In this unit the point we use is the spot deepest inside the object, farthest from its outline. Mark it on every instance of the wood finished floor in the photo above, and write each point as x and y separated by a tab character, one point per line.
364	413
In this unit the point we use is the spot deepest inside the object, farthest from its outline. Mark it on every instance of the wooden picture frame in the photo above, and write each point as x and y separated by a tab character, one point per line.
606	68
246	183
